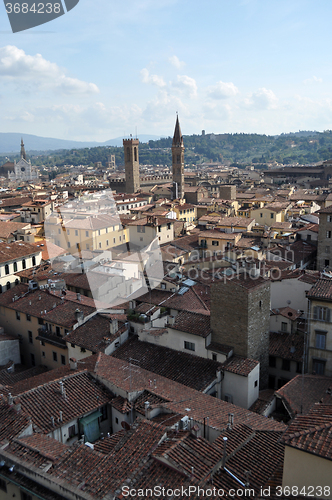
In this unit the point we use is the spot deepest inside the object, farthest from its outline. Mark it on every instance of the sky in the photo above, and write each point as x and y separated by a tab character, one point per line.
107	69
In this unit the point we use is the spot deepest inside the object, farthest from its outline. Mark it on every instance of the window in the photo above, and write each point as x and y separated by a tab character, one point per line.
68	244
25	496
272	361
99	244
308	237
87	234
43	354
71	431
286	365
103	411
320	340
329	218
15	267
119	238
321	313
189	345
256	383
40	321
28	317
326	262
32	358
30	337
284	327
68	232
63	359
141	229
57	331
107	230
76	232
107	243
23	264
271	215
33	260
214	357
3	485
55	356
114	240
159	229
87	246
261	215
6	269
99	232
328	234
18	316
318	366
116	420
77	245
59	231
82	349
215	243
8	285
299	367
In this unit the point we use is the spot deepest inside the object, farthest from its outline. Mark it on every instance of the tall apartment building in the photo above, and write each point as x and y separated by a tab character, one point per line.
240	315
178	161
131	165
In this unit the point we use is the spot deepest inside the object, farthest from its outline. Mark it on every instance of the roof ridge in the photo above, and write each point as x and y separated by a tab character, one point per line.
306	432
204	305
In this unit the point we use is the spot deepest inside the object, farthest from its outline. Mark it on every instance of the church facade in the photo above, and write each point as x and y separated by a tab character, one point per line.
23	171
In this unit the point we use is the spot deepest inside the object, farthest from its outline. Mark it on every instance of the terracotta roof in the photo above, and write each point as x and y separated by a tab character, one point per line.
195	404
240	366
15	250
299	395
190	301
287	345
194	323
82	395
287	312
7	229
218	235
312	433
187	369
94	334
322	289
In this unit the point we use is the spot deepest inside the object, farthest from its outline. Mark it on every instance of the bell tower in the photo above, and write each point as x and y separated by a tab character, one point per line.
178	160
131	165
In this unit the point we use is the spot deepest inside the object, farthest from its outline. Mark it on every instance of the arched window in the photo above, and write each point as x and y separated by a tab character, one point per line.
8	285
15	267
23	264
33	260
135	154
6	269
17	282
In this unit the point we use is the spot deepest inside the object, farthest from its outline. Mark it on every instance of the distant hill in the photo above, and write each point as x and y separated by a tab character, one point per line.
11	142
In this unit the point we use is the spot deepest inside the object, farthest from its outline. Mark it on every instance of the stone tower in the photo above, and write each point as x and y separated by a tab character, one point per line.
240	317
131	165
178	160
23	155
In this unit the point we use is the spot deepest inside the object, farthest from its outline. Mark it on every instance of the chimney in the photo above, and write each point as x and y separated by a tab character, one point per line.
10	399
52	421
113	326
224	452
146	407
79	315
62	389
78	295
17	405
73	363
230	420
60	416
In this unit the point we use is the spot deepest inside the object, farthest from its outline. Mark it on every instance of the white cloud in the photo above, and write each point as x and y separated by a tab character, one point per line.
261	99
17	66
222	90
313	79
187	85
175	61
154	79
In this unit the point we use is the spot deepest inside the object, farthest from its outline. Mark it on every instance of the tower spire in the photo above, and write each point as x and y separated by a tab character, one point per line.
23	155
178	161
